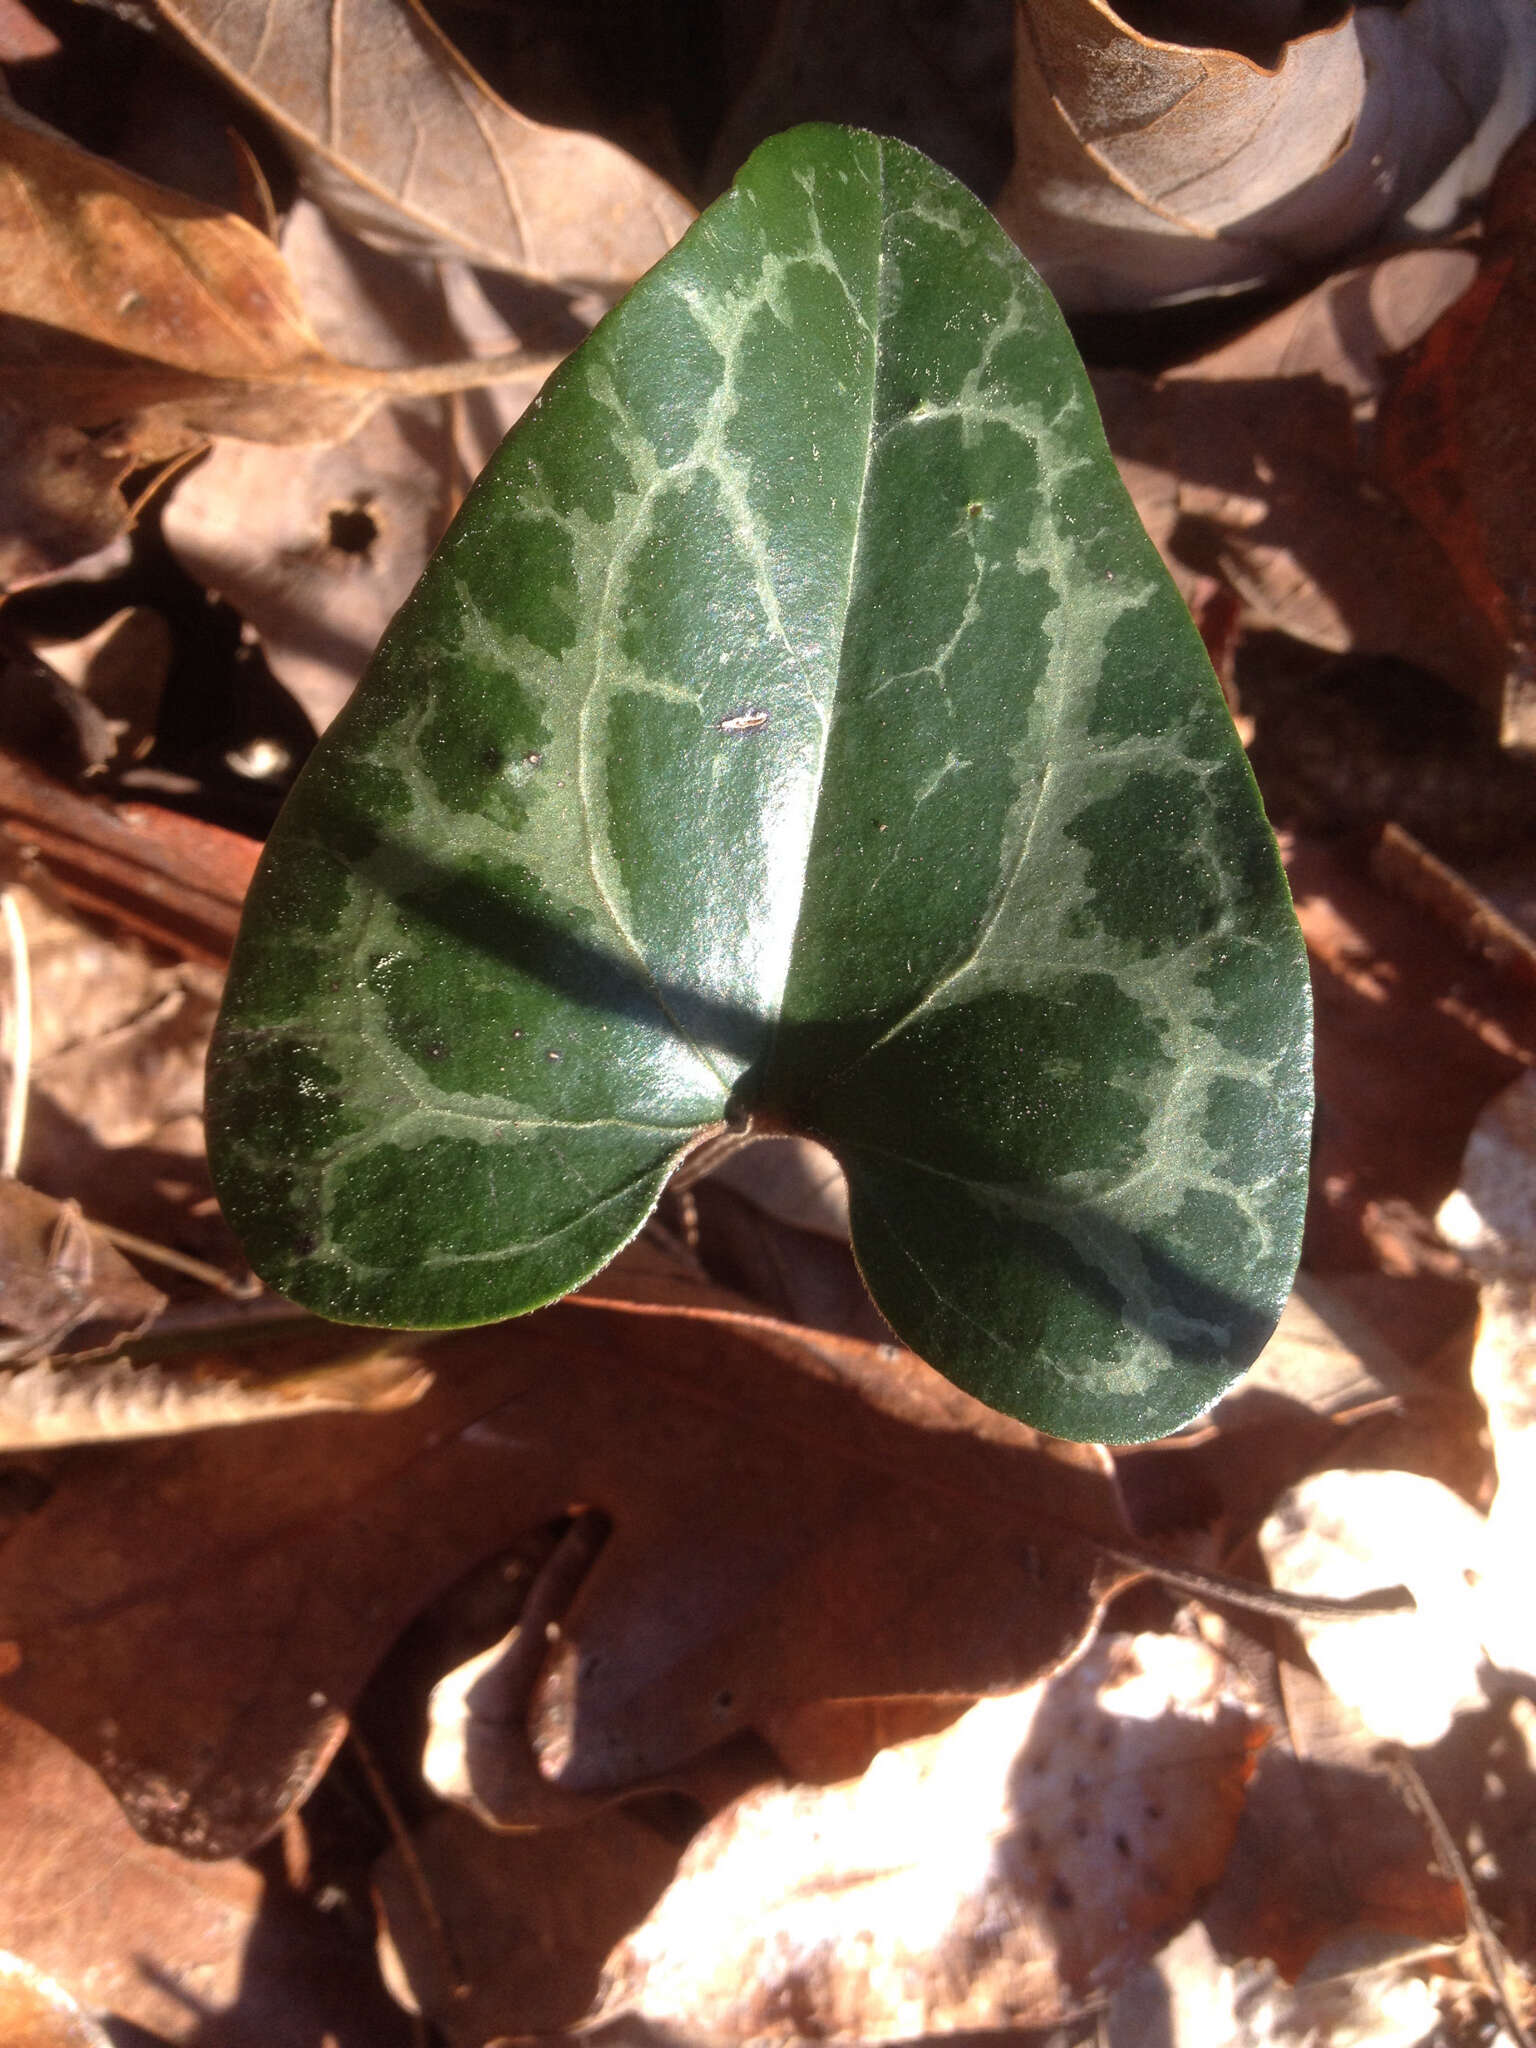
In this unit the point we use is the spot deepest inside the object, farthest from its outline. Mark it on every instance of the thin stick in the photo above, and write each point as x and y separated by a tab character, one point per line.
447	1954
1263	1599
181	1262
1498	1966
21	1036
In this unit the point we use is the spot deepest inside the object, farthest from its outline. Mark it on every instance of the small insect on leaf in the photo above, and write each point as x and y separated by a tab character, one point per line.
748	720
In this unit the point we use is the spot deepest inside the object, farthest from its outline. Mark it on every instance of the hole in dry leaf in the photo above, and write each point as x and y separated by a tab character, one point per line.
351	529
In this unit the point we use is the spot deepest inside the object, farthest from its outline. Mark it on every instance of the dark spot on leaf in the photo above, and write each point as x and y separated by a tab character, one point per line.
1123	1846
725	1700
304	1244
351	529
1152	1812
1061	1898
973	511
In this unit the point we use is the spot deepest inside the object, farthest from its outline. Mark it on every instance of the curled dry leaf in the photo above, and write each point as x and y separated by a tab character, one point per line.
57	1276
402	140
792	1520
124	301
98	1401
1149	170
997	1874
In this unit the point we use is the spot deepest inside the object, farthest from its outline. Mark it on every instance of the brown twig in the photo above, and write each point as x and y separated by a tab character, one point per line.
1207	1585
449	1961
21	1036
1498	1965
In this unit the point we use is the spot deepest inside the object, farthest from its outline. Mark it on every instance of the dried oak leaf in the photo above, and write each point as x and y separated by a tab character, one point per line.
123	301
793	1519
996	1875
190	1953
404	142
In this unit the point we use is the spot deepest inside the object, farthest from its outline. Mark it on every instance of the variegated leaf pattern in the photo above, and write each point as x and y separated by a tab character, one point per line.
796	727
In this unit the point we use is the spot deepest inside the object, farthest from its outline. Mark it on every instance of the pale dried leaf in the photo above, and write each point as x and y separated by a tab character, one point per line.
1149	171
1492	1219
36	2012
48	1404
318	547
57	1275
997	1874
399	138
794	1180
1339	1533
1189	1998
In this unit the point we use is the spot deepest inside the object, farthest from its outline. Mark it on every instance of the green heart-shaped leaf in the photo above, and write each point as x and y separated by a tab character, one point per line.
796	727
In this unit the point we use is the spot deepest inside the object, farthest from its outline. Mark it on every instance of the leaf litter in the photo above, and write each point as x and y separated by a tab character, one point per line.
735	1639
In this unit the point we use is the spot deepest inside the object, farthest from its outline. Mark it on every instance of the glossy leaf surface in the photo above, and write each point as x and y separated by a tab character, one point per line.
796	725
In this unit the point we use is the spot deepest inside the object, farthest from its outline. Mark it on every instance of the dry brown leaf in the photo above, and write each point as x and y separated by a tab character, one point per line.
189	1952
1189	1998
317	548
1327	1859
792	1520
1413	1039
524	1922
1252	464
1151	170
999	1874
126	301
60	495
400	138
1458	431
